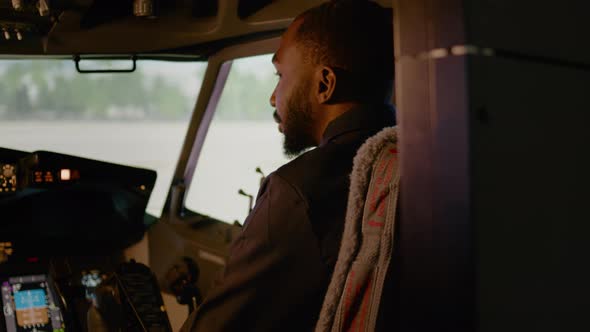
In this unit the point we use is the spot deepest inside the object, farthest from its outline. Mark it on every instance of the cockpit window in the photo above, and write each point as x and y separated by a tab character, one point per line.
138	119
242	138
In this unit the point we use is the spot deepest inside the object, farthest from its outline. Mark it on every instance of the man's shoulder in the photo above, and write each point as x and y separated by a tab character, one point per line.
311	168
304	164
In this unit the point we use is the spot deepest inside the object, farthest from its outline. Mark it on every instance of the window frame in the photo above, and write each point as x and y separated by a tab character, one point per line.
217	71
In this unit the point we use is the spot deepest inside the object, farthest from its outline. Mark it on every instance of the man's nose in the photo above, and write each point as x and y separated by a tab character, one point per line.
273	99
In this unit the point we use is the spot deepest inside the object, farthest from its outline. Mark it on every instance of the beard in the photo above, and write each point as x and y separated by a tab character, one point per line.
298	122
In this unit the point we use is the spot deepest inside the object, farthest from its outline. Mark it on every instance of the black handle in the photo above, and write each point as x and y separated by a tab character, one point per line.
77	60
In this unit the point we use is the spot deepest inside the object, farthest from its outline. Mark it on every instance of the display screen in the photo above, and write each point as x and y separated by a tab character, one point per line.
28	305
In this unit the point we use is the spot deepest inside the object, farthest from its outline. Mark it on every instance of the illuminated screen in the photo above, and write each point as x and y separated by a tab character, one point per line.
28	305
31	308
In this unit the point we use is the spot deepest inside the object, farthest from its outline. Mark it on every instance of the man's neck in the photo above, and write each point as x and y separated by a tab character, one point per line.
329	113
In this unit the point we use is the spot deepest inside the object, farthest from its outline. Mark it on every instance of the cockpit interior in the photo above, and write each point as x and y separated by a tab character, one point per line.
135	134
105	106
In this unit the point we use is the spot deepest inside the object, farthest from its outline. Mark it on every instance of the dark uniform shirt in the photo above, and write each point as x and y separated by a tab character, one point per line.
280	266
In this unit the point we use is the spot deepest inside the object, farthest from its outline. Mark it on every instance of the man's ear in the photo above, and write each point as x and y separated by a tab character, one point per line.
326	84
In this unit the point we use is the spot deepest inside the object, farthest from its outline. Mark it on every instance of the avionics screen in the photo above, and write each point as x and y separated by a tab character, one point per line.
28	305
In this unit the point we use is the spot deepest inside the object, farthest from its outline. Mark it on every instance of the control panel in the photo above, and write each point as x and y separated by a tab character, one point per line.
29	305
8	178
64	223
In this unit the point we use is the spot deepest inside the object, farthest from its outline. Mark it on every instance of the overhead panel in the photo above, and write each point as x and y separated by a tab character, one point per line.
140	26
24	24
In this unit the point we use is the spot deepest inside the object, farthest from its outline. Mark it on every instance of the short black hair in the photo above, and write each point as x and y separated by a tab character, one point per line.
353	35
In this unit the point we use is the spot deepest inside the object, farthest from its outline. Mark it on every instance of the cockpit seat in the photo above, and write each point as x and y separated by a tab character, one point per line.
354	295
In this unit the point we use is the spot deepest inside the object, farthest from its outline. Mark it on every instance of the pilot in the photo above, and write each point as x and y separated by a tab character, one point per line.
335	74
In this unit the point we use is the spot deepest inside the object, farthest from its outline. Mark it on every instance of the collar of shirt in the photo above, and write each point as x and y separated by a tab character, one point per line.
362	117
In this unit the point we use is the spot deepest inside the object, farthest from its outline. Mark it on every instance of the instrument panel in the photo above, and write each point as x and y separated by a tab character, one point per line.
64	222
8	178
57	204
29	305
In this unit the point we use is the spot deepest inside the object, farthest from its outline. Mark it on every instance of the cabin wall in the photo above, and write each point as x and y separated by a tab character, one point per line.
529	179
530	191
492	109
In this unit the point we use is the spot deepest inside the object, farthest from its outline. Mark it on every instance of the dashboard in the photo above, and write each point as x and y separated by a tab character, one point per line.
55	203
64	222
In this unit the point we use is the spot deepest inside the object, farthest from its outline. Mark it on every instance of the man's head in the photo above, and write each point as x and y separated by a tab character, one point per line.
331	58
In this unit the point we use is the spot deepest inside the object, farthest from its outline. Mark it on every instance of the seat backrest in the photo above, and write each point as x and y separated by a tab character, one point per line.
353	297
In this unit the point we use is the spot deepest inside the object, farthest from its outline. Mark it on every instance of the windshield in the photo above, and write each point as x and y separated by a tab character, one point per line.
243	143
138	119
